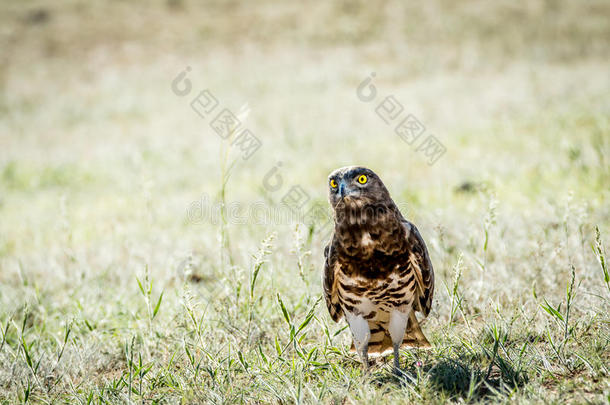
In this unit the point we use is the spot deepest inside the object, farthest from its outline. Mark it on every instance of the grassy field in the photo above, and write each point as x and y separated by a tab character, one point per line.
123	278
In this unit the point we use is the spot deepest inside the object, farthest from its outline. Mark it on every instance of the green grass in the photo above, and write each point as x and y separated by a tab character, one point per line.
110	293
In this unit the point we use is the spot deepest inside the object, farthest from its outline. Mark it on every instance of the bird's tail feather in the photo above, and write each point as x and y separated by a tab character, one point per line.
414	337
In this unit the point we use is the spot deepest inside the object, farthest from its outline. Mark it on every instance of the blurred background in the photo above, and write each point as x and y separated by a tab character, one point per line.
102	160
518	96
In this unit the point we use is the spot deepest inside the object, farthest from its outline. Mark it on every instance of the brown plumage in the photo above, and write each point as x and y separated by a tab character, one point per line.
377	271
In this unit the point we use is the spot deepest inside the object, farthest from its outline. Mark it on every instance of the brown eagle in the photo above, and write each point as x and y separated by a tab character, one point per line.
377	271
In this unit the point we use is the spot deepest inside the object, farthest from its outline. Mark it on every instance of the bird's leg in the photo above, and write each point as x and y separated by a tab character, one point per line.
364	356
361	334
396	357
397	328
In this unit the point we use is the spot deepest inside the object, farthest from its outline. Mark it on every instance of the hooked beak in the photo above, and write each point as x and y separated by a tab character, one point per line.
342	191
346	192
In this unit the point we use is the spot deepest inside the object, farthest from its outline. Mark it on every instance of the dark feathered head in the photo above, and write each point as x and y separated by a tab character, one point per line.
356	187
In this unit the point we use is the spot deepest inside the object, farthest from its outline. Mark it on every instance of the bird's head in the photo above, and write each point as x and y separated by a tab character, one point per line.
355	187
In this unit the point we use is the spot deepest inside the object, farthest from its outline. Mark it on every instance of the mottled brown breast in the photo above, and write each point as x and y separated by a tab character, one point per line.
377	263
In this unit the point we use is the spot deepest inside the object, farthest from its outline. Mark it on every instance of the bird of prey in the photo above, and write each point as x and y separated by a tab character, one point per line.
377	271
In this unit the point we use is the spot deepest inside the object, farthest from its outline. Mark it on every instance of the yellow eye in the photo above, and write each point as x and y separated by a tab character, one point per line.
333	183
362	179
